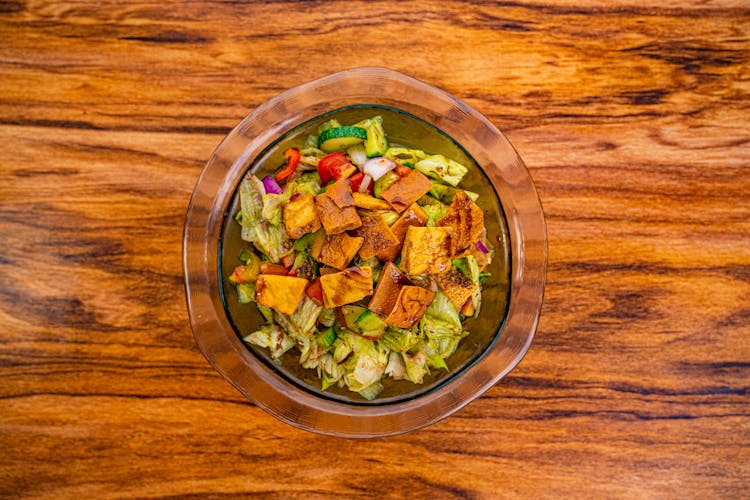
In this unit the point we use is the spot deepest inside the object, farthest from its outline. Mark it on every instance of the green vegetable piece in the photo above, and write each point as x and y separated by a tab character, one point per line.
246	293
437	361
434	213
245	255
461	266
371	391
483	277
333	123
351	314
328	337
446	193
370	324
341	352
267	313
340	138
441	168
376	143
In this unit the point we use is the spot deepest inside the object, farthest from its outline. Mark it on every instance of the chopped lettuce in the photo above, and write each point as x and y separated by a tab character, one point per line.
434	212
273	338
272	204
441	318
405	155
475	275
446	193
441	168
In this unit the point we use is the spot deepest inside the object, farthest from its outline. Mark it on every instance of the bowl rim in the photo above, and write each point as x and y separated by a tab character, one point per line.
518	198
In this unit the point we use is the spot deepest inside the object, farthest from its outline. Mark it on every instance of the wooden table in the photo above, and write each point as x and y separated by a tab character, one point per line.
633	119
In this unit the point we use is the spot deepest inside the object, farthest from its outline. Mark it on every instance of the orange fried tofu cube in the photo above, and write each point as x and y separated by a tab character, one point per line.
282	293
411	304
300	216
386	292
413	216
339	249
336	219
456	286
427	250
377	236
350	285
467	221
407	190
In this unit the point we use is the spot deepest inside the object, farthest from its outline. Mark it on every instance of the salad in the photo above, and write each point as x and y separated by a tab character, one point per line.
362	256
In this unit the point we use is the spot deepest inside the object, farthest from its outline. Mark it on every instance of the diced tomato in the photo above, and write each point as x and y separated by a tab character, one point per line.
361	183
402	170
292	156
287	260
239	276
315	291
268	268
333	167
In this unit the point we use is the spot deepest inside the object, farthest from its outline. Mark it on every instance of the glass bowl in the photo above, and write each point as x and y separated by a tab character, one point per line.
420	115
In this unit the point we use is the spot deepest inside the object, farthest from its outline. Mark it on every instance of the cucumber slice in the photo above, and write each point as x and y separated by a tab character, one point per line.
333	123
350	315
368	321
340	138
328	337
383	183
376	143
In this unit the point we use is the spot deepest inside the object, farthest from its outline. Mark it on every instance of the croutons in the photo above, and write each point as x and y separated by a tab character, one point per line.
467	221
350	285
386	292
339	249
336	219
407	190
366	201
413	216
377	236
456	286
300	216
341	193
411	304
282	293
427	250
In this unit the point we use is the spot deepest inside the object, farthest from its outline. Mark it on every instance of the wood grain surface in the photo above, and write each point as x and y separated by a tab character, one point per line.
634	119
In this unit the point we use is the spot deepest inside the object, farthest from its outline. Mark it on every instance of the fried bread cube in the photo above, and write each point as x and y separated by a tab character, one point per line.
339	249
300	216
413	216
377	236
427	250
386	292
281	293
350	285
407	190
336	219
467	221
411	304
456	286
366	201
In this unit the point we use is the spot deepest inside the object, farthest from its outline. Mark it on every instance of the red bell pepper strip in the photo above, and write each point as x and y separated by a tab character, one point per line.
292	160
